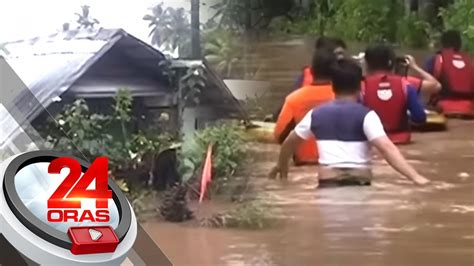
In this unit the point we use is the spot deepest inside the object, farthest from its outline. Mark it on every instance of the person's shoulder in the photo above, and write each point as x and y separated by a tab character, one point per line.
323	107
310	92
357	110
296	95
324	91
353	107
361	108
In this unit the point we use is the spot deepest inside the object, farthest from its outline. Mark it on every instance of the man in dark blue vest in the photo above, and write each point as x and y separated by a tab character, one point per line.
345	130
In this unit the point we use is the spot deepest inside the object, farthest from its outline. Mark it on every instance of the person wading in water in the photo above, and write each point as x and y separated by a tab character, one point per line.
391	95
455	70
344	130
299	102
306	78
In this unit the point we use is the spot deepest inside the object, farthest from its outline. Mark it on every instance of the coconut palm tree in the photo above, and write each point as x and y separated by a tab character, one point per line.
84	20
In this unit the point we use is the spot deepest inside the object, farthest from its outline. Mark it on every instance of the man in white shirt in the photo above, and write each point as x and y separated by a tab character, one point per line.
345	130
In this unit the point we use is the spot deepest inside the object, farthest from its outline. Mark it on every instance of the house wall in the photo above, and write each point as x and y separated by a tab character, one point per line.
115	71
196	118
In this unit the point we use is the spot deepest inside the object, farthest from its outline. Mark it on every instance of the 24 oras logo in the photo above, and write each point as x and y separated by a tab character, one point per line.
66	203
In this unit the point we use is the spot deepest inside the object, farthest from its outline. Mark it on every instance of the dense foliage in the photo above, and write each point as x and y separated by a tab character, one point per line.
414	32
228	150
170	29
367	20
93	134
460	16
381	20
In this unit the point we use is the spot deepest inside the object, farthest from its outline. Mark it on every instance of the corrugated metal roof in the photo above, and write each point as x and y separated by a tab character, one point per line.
50	65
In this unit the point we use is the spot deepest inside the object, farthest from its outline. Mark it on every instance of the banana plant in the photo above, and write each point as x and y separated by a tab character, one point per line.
223	51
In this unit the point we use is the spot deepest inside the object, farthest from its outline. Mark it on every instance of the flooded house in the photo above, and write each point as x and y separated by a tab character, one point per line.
93	65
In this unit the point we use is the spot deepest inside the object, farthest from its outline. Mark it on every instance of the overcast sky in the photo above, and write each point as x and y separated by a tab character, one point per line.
21	19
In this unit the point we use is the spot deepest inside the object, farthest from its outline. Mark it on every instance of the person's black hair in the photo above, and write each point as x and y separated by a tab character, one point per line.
340	43
329	42
323	61
323	42
346	77
451	39
380	57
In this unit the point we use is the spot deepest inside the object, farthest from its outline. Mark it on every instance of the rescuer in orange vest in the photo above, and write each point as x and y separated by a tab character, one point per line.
301	101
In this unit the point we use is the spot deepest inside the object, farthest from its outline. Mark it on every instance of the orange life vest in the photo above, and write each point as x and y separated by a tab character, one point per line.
296	106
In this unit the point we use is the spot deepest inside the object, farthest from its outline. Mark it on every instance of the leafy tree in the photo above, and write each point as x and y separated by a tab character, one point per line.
84	20
460	16
245	15
368	20
170	28
413	31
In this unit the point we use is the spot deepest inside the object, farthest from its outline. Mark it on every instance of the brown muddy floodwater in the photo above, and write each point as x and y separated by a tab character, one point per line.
389	223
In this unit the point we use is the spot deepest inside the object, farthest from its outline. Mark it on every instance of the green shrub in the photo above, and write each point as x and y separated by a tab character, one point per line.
94	134
228	150
413	31
368	20
315	21
460	16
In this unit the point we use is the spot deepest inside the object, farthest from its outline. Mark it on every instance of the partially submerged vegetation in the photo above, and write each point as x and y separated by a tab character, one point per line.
252	215
131	154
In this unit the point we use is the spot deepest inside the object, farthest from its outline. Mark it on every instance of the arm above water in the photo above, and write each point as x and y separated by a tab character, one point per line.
375	133
285	123
296	137
430	83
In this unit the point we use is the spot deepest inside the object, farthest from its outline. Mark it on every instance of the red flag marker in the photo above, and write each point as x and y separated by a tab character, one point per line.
206	173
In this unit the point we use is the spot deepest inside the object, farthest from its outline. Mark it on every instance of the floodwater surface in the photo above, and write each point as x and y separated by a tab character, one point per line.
390	223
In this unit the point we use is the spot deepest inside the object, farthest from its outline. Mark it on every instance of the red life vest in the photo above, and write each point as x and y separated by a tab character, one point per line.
456	73
386	94
307	76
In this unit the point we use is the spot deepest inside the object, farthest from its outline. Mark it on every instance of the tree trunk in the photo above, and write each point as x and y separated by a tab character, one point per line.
195	27
247	32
